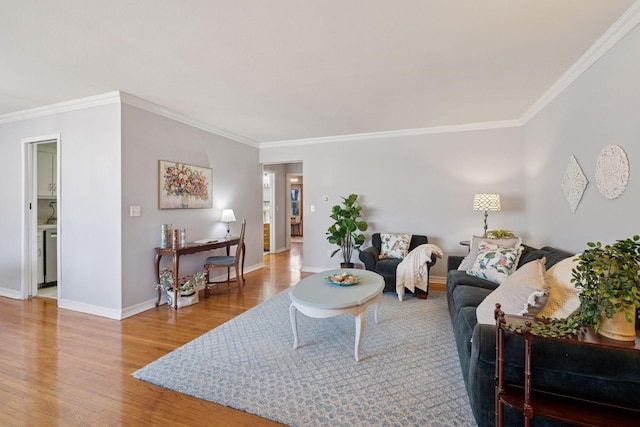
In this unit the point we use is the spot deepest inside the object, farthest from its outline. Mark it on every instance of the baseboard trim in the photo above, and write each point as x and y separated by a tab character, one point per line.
96	310
10	293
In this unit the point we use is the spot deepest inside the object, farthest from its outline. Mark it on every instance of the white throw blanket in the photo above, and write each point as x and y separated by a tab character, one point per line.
412	271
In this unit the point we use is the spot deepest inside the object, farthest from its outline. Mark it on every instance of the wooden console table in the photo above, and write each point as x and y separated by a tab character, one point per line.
191	248
568	409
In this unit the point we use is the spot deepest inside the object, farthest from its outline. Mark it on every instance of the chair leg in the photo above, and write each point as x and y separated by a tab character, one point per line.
239	280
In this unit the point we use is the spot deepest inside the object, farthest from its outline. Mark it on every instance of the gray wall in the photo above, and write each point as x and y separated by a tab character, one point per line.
419	184
602	107
88	210
147	138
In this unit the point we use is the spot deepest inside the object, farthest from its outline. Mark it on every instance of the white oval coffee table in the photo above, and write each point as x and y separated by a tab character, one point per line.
313	296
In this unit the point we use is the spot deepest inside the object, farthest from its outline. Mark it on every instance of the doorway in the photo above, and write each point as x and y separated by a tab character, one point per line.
268	209
296	200
42	238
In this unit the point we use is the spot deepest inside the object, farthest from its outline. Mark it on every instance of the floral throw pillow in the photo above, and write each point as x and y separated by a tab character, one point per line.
394	245
495	263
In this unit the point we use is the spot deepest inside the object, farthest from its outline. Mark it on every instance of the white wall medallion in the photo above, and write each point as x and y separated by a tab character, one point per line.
612	171
574	182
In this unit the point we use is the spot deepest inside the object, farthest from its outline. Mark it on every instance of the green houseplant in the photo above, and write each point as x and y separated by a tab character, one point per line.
500	234
609	281
346	231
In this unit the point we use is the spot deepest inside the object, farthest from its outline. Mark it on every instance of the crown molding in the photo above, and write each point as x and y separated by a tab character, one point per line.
124	98
62	107
610	38
143	104
395	133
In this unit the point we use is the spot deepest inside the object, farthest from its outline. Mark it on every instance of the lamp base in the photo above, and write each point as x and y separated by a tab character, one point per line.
486	214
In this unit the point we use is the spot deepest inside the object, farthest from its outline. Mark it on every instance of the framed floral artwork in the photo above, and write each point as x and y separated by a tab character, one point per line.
183	186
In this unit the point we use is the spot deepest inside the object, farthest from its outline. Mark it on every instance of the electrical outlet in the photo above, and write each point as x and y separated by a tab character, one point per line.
134	210
312	208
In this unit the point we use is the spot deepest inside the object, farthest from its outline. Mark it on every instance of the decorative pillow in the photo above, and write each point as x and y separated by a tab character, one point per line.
495	263
564	296
527	284
394	245
467	262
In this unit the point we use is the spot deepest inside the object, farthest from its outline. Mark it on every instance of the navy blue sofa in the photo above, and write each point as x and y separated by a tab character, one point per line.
600	374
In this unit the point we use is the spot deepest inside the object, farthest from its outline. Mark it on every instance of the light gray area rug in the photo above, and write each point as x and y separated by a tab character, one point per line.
408	373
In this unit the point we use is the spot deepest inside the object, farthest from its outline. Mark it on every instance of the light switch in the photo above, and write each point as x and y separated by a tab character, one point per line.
134	210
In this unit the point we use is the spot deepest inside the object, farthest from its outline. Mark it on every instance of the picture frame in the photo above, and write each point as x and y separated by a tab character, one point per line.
184	186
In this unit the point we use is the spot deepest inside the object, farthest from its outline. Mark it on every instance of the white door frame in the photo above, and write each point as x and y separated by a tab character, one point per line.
272	219
29	285
288	210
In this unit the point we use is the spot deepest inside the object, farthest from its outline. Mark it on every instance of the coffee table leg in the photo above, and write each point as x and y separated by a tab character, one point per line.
375	312
294	324
359	330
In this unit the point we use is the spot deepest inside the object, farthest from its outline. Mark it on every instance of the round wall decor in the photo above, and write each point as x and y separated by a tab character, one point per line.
612	171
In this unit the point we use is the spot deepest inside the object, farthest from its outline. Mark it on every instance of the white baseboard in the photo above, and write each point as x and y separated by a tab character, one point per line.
96	310
10	293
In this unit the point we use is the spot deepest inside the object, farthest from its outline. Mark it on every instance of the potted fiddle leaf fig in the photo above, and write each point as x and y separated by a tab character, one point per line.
346	231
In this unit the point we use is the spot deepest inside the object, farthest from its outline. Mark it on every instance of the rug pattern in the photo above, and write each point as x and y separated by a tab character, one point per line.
408	372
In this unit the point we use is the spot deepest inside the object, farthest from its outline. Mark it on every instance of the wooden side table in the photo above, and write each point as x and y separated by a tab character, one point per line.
191	248
564	408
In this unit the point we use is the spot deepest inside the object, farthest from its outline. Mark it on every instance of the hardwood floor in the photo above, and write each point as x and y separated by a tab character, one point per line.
60	367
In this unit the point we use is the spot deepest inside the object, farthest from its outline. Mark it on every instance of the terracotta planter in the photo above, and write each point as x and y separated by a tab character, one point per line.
617	327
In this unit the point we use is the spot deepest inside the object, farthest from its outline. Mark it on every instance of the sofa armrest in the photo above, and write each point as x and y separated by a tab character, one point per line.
432	262
453	262
369	257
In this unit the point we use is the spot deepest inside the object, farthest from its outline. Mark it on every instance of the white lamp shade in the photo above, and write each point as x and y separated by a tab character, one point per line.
228	216
486	202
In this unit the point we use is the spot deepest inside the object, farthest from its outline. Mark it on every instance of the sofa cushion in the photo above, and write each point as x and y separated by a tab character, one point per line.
394	245
467	262
457	278
469	296
554	255
387	267
526	286
564	297
495	263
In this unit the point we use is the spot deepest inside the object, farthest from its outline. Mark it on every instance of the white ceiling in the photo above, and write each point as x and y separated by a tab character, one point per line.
294	69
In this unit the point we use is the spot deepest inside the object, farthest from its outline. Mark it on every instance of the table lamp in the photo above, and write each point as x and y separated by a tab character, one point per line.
228	216
486	203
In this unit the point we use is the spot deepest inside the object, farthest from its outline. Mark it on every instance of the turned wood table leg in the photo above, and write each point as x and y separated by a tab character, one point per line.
157	267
